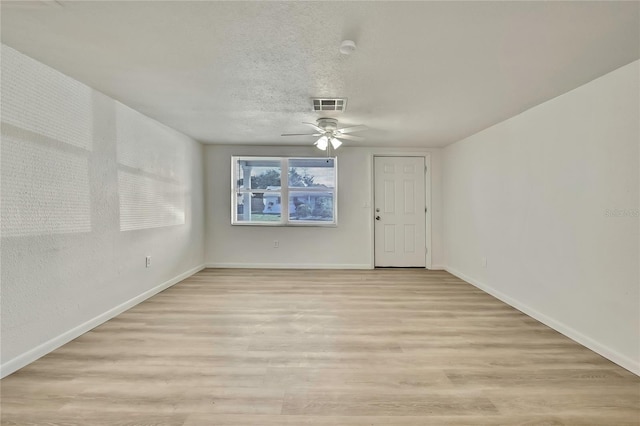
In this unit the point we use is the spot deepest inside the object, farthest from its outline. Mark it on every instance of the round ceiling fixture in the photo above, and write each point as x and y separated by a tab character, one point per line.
347	47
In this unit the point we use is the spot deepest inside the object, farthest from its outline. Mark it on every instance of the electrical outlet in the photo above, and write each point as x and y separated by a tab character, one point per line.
148	261
276	243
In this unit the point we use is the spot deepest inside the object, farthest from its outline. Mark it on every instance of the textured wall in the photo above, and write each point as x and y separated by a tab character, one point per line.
550	199
89	188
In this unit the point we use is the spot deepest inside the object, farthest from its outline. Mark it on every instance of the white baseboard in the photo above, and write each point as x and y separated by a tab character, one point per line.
622	360
438	268
52	344
289	265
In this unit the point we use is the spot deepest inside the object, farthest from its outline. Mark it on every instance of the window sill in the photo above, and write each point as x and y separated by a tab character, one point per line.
289	225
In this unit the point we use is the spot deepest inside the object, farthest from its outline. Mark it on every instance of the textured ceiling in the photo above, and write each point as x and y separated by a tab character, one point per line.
424	73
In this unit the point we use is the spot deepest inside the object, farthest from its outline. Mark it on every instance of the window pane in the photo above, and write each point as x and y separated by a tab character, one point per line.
311	206
264	174
284	190
251	207
312	172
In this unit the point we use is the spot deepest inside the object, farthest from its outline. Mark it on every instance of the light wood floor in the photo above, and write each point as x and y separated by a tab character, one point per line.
272	347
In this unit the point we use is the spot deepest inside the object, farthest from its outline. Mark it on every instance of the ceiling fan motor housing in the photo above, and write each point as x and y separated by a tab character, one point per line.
328	124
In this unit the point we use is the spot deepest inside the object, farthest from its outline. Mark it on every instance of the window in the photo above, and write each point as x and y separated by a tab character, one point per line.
304	194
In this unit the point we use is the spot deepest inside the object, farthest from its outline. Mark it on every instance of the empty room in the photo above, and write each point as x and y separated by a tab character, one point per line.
320	213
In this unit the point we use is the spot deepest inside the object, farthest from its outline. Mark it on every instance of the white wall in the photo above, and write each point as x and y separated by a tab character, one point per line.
89	188
349	245
531	195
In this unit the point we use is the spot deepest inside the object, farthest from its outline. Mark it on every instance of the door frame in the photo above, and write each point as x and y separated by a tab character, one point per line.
427	199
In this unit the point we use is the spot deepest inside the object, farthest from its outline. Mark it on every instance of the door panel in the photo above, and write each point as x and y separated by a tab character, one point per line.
389	196
399	200
409	238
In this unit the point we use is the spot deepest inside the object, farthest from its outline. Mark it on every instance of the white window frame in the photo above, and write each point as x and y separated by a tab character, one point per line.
284	193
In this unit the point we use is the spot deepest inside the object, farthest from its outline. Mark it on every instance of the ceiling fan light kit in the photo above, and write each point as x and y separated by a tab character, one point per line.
322	143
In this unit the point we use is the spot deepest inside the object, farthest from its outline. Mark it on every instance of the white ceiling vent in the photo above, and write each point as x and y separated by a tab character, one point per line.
329	104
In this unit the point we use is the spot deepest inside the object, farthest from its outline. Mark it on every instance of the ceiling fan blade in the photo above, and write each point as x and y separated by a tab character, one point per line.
352	129
351	137
301	134
320	129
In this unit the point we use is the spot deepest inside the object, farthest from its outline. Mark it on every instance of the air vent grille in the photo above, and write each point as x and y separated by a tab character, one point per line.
329	104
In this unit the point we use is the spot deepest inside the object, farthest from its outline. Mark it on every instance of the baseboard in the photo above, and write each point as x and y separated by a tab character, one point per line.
52	344
438	268
622	360
289	265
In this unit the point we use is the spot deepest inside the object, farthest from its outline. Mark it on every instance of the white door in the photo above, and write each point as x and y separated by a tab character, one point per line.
399	209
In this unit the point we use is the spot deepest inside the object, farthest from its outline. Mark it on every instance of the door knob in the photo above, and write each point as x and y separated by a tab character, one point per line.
377	217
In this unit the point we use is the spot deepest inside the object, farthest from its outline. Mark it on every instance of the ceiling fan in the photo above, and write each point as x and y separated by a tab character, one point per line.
327	129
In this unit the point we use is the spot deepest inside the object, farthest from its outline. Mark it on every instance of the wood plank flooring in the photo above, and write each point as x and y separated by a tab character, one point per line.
275	347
